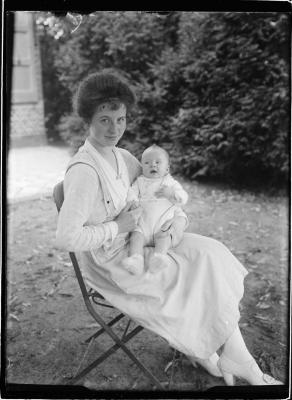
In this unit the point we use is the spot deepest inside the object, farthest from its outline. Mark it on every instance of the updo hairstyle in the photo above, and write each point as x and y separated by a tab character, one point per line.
102	87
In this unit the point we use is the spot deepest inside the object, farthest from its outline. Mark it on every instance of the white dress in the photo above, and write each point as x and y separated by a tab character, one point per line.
193	303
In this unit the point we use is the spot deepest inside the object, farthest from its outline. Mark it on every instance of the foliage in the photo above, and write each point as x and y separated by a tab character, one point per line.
56	95
73	130
235	112
212	88
127	41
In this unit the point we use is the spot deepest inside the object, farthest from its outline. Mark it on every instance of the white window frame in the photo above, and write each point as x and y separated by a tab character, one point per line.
26	95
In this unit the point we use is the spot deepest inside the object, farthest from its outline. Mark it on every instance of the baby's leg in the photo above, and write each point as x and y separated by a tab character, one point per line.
136	245
162	244
135	262
160	260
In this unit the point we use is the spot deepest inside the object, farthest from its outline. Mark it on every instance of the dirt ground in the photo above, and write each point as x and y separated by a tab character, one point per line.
47	321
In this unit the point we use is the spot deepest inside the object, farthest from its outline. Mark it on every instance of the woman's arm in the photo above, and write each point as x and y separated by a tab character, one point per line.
81	187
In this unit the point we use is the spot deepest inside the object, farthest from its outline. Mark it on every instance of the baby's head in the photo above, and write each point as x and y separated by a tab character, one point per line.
155	162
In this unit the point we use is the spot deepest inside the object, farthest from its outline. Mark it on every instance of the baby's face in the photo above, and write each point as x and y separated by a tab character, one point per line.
155	164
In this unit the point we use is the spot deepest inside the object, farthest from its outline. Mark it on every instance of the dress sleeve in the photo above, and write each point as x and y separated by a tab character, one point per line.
81	186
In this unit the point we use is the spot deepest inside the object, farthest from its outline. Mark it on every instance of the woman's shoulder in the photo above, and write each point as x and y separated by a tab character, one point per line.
132	163
82	174
128	156
81	158
81	168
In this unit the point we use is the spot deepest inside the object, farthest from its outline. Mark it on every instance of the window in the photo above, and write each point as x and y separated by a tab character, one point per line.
24	85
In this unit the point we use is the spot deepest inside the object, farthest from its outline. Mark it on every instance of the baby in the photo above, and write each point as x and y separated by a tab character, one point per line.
161	198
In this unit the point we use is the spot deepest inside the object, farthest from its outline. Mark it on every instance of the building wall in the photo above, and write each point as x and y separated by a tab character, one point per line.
27	108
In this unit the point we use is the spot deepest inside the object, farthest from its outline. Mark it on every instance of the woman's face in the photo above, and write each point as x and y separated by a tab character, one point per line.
108	125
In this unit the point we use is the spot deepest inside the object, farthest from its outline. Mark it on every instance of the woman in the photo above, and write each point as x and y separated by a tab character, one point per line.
193	304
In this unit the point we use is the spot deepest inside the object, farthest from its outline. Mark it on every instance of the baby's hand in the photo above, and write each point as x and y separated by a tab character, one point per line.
165	191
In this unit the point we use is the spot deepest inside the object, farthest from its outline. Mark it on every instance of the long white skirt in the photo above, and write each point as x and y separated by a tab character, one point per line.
193	303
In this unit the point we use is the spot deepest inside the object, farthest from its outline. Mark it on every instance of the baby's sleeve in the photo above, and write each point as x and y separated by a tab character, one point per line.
180	194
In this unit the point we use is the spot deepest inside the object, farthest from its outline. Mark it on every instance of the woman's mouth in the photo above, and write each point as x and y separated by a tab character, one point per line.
112	137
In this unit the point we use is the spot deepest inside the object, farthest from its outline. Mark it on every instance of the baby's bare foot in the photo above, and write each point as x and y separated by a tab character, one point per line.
134	264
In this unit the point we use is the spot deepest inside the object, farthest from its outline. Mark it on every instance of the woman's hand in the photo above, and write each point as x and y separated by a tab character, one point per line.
128	219
173	228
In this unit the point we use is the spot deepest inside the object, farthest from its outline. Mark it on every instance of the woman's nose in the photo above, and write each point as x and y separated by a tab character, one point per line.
114	128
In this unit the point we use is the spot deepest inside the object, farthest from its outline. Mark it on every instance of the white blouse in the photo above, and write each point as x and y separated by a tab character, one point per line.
84	223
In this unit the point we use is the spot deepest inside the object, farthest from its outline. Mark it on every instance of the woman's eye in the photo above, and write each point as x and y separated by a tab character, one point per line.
122	119
104	120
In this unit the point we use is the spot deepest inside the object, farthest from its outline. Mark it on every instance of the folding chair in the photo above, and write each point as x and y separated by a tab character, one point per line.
91	297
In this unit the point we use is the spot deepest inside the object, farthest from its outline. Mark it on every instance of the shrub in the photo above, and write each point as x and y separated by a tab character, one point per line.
235	111
57	97
73	131
212	88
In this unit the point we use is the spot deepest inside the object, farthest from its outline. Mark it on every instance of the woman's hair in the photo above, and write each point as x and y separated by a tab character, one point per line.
102	87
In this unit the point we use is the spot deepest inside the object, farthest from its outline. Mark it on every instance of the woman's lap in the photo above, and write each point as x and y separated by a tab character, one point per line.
194	302
192	243
194	247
